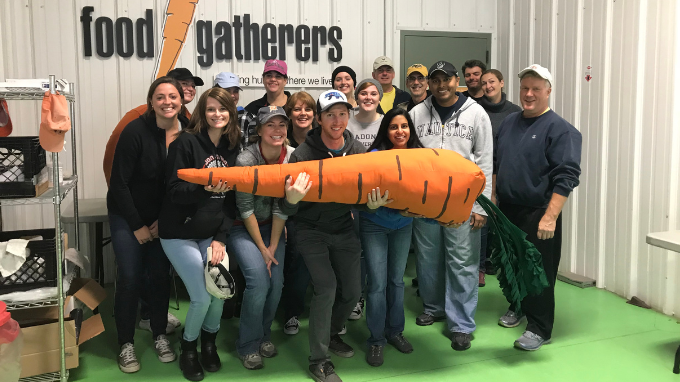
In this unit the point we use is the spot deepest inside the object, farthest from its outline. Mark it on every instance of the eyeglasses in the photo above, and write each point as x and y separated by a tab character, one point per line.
416	78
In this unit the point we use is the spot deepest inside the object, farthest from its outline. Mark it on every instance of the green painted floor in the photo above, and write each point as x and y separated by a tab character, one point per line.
598	337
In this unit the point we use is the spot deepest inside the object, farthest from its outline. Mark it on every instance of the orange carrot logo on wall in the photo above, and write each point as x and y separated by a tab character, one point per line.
178	17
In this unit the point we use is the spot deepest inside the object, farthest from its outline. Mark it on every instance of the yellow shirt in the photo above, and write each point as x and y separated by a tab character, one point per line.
387	100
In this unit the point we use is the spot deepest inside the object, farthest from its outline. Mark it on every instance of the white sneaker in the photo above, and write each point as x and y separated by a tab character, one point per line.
174	320
146	325
292	326
358	310
344	330
164	350
127	359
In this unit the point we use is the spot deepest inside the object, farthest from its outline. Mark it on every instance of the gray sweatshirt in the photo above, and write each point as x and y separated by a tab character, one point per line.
467	132
364	132
262	206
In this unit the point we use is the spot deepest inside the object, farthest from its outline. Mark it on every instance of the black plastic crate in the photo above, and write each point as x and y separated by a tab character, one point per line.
40	269
20	156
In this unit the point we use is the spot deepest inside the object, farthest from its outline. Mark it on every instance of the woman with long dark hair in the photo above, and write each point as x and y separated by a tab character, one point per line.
195	218
134	204
385	239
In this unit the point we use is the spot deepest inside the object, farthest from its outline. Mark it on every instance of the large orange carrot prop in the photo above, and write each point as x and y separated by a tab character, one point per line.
438	184
178	16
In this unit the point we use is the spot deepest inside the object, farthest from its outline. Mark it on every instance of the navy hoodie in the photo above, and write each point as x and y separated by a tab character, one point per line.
138	172
536	157
189	211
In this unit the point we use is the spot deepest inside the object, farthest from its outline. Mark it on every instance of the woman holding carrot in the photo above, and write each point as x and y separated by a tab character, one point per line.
385	239
195	218
134	204
257	242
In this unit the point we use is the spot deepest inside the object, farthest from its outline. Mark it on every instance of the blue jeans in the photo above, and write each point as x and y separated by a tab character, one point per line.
189	258
135	263
386	252
262	294
448	272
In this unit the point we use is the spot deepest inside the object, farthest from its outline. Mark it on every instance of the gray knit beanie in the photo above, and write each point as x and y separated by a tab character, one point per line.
372	81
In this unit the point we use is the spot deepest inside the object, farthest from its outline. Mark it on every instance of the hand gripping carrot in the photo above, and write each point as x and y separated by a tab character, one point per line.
438	184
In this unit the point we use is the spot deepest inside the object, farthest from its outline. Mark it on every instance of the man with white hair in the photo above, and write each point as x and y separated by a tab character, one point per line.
537	161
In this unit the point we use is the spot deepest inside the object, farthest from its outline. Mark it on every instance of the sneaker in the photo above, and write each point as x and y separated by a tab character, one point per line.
251	361
400	343
324	372
414	282
461	341
358	310
509	319
482	281
174	320
374	357
292	326
530	341
268	350
146	325
344	330
427	319
164	350
340	348
127	359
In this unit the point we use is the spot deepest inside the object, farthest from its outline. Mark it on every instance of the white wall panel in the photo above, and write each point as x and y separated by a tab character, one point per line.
629	181
43	37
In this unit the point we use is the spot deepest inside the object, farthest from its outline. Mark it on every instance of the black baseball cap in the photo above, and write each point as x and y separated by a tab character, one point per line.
444	67
184	74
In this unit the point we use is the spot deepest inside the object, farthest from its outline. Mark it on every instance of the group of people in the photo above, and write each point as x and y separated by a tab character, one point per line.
354	256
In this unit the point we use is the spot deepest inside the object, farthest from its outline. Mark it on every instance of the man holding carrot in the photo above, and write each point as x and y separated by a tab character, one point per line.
448	257
326	239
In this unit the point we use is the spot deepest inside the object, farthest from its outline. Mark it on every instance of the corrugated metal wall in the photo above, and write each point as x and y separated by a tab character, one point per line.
629	183
42	37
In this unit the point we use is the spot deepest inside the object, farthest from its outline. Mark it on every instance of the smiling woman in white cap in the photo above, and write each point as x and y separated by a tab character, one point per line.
325	237
537	164
195	218
257	242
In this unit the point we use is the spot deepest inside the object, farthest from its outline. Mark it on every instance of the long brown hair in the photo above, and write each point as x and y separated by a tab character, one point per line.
199	122
152	89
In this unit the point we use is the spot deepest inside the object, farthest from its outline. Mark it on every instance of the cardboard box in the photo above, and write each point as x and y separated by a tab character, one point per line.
40	327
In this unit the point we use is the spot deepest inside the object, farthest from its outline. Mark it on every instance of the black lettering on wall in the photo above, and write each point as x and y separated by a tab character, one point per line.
317	32
268	37
301	40
223	42
103	28
251	39
286	36
124	40
86	19
334	37
237	37
204	45
144	28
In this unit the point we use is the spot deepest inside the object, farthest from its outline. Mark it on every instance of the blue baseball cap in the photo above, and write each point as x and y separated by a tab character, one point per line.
227	80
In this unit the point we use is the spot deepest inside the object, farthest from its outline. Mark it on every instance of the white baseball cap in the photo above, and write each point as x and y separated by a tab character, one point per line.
218	280
538	69
330	98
